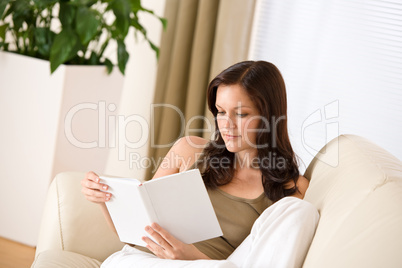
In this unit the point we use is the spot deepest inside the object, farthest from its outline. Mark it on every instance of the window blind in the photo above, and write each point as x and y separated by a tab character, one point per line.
342	64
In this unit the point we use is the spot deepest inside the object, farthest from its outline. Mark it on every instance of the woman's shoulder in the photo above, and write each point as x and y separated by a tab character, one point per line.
191	143
189	148
181	156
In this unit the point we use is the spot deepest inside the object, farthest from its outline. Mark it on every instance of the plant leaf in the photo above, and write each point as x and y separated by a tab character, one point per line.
3	29
109	66
4	46
87	3
154	48
86	24
66	14
40	36
21	12
44	38
164	23
138	26
147	10
3	5
45	3
93	59
121	9
65	43
122	56
135	5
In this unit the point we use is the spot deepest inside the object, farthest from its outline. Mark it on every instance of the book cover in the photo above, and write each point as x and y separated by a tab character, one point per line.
178	202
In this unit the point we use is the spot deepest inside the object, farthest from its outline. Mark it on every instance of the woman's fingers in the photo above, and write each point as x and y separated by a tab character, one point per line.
157	238
95	195
93	185
158	245
92	180
92	176
167	246
164	234
93	190
155	248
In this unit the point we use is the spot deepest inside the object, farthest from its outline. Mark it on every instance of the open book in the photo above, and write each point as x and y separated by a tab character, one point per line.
179	203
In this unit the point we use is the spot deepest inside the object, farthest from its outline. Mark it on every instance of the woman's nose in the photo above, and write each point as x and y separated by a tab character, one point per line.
229	122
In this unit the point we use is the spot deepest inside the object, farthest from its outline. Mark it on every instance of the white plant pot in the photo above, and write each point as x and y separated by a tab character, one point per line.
50	124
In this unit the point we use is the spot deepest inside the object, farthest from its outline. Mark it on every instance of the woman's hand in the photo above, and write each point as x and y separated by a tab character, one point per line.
168	247
93	190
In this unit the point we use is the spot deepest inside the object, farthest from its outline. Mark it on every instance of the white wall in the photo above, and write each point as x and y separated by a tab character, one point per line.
135	105
342	64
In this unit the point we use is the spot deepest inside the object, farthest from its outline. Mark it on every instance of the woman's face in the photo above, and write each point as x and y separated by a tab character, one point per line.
238	118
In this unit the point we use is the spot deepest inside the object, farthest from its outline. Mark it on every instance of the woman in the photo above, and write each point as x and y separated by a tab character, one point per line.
247	167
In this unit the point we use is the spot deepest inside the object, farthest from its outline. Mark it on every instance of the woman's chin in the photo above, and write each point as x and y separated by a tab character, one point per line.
232	148
236	148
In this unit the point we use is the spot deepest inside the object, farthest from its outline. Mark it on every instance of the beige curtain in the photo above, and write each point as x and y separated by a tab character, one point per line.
202	38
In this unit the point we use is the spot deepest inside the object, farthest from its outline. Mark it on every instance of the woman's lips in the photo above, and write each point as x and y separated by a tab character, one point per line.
231	137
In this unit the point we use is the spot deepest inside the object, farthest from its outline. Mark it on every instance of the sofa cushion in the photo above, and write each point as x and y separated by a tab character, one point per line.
63	259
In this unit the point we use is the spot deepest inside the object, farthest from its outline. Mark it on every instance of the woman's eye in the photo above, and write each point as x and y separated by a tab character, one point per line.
220	113
242	115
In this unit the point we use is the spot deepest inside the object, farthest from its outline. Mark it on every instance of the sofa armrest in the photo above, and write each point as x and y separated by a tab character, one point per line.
72	223
359	200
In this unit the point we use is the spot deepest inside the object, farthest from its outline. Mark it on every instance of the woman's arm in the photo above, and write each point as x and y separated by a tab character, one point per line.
96	193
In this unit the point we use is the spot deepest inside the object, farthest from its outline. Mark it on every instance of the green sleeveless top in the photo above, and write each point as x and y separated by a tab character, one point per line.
236	216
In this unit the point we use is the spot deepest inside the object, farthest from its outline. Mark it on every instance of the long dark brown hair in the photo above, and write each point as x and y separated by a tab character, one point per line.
265	86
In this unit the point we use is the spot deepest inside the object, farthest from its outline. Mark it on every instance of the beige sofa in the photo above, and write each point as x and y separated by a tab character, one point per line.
356	186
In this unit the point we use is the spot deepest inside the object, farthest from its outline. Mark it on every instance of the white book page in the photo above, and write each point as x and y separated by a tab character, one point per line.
127	210
183	207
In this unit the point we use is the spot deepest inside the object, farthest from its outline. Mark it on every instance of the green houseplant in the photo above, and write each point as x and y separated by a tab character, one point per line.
71	31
